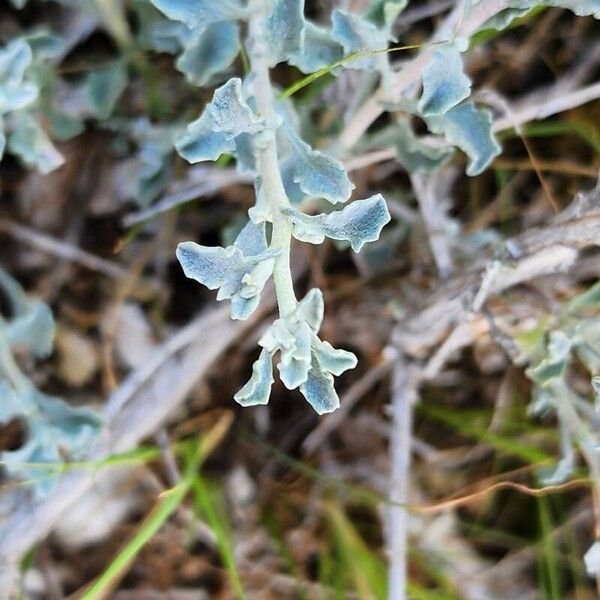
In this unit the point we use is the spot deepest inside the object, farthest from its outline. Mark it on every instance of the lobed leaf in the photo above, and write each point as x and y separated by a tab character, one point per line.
319	391
383	13
30	143
412	152
319	50
284	30
196	14
258	388
316	173
200	142
103	88
230	112
470	129
210	51
239	272
444	83
357	34
358	223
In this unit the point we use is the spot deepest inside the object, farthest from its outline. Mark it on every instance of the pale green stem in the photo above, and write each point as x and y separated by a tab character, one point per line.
268	166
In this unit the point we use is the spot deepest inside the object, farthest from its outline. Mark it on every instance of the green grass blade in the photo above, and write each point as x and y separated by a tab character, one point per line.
204	498
156	519
305	81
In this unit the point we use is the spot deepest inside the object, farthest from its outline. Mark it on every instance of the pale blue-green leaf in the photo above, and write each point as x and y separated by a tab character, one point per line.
15	58
319	50
357	34
103	88
239	272
553	366
470	129
565	467
208	265
411	151
27	463
165	36
31	144
312	309
18	3
152	174
291	337
319	391
252	239
358	223
331	359
292	189
10	405
242	308
244	154
582	8
45	45
284	30
32	330
383	13
209	52
63	126
17	97
258	388
519	8
230	112
316	173
295	358
75	426
444	83
199	13
592	559
200	142
55	429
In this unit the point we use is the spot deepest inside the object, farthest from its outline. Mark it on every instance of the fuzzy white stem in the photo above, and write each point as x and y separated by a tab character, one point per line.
268	167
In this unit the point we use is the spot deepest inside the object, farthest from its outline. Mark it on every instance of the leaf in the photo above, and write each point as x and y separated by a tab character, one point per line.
312	309
103	88
209	52
258	388
15	58
200	142
32	145
10	407
199	13
32	330
470	129
444	83
319	391
292	337
358	223
383	13
15	94
319	49
592	559
239	272
582	8
54	429
553	366
413	153
519	8
331	359
316	173
356	34
284	30
230	112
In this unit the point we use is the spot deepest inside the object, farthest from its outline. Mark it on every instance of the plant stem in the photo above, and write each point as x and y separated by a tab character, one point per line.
268	165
